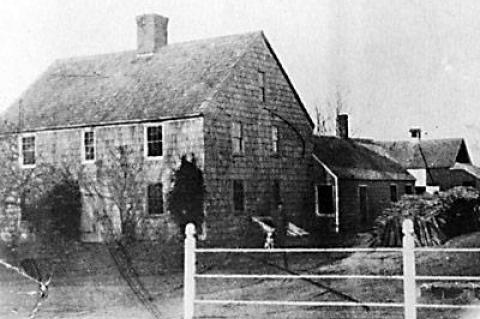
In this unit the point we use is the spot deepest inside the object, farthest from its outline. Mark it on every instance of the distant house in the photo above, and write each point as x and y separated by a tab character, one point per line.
227	100
437	164
352	183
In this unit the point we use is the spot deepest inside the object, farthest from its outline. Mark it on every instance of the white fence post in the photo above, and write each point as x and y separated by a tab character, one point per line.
409	285
189	272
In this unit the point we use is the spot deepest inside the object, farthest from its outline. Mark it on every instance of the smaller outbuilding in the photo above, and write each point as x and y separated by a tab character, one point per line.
437	164
352	183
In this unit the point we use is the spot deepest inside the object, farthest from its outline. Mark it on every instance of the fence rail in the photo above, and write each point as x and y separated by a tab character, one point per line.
408	277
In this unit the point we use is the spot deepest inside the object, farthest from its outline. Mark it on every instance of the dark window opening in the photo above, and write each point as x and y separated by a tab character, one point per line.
419	190
276	193
393	193
154	141
89	145
408	189
362	192
28	150
261	84
325	202
238	196
155	199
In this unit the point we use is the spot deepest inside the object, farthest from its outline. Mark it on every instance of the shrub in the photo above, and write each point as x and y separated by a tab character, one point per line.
186	199
436	218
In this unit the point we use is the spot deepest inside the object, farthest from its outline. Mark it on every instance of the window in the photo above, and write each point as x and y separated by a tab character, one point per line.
408	189
393	193
89	146
324	200
237	137
276	193
261	84
238	196
27	147
154	141
274	139
155	199
363	202
419	190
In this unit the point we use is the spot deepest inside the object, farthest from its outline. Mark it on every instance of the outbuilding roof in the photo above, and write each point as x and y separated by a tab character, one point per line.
349	159
435	153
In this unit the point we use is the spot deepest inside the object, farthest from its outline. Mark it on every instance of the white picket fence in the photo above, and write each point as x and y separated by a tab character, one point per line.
409	277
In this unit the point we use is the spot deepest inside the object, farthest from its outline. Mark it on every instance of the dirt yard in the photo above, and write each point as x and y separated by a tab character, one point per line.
90	285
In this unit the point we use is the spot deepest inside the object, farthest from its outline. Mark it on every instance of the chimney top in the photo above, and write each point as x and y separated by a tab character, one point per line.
152	33
342	125
415	133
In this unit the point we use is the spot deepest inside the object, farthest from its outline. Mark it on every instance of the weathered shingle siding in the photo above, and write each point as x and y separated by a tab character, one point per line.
239	100
378	194
181	137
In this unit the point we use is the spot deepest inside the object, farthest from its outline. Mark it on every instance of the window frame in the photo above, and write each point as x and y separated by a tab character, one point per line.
275	140
148	200
234	201
409	189
21	156
84	153
145	141
241	138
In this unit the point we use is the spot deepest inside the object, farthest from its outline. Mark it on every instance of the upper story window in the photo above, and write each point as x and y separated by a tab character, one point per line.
274	139
153	141
155	199
89	146
27	150
261	84
237	138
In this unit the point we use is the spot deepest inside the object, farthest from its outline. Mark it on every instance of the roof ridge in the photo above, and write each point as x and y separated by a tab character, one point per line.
170	45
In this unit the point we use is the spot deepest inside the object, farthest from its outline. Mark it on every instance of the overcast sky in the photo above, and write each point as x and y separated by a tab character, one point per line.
397	63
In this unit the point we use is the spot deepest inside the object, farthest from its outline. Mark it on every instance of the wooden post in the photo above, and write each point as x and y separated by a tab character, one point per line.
189	275
409	285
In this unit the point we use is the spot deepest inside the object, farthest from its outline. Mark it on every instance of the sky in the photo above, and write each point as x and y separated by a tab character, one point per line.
396	64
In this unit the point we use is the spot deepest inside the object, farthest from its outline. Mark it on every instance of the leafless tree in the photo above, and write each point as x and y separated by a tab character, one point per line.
118	181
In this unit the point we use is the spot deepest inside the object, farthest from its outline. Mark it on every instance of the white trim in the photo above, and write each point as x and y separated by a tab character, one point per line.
145	141
88	130
337	188
20	150
108	124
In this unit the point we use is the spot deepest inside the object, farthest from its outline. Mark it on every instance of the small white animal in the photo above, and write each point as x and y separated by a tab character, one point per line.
268	241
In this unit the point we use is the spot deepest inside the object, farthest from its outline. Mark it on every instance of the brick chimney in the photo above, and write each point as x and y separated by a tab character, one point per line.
342	125
151	33
415	134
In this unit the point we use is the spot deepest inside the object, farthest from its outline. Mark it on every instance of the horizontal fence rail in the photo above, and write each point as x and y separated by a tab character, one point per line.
409	277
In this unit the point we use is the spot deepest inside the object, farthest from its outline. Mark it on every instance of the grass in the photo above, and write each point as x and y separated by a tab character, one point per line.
90	286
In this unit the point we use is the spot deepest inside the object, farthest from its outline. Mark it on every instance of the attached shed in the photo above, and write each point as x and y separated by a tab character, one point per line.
353	184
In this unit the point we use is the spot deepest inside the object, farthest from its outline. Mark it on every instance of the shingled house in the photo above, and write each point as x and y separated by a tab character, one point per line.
352	183
227	100
437	164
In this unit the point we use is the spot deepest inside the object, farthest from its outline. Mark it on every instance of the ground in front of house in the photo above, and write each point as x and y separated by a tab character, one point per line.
90	284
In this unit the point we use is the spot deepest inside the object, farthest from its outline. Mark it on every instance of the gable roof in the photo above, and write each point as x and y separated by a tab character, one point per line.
349	159
122	87
435	153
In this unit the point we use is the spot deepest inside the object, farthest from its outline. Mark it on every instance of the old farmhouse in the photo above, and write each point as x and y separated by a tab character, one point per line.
353	184
227	101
